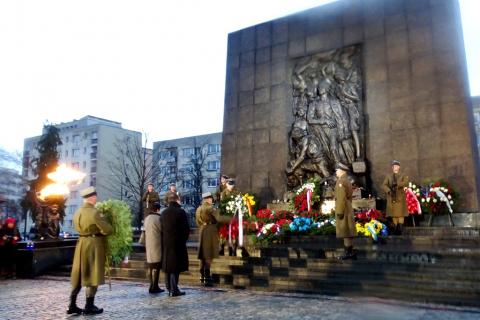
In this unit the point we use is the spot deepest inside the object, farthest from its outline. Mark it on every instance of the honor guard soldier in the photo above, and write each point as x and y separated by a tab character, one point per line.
207	217
88	269
394	186
345	224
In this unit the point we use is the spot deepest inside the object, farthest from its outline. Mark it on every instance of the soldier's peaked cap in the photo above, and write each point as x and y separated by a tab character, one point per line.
342	166
88	192
395	163
207	195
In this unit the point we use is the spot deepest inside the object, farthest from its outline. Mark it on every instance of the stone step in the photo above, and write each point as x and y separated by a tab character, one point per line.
376	288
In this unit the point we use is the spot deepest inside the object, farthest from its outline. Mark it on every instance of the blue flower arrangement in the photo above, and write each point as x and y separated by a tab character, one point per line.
300	224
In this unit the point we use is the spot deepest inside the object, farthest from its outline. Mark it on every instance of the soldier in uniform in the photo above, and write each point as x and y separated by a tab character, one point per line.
148	199
221	187
172	191
394	185
207	217
230	189
88	269
345	224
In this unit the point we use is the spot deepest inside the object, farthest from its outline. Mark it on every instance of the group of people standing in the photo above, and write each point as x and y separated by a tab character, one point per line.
166	237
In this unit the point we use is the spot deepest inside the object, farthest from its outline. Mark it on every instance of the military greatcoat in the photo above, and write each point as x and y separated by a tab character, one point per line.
207	217
396	200
88	267
345	224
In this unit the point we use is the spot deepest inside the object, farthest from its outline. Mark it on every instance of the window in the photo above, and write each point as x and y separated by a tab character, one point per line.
167	169
94	138
167	153
93	180
213	165
213	148
187	168
66	139
84	164
188	152
75	152
187	184
84	150
75	165
212	182
187	200
76	138
93	169
66	153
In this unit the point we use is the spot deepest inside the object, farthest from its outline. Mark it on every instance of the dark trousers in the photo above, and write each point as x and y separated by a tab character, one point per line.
171	281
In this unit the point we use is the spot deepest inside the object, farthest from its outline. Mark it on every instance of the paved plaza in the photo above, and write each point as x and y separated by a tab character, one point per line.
47	298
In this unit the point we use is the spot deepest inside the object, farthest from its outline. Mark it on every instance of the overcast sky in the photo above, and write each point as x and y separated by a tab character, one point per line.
155	66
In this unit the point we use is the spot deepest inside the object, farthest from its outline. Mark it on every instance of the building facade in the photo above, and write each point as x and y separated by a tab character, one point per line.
192	164
88	145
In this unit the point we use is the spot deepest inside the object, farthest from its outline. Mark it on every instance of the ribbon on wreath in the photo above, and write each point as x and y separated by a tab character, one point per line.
239	213
309	198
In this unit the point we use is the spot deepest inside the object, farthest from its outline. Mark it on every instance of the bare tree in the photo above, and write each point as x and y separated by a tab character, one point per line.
192	174
130	173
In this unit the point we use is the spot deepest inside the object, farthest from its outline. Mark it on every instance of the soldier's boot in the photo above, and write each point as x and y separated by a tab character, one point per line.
91	308
349	254
202	275
72	308
231	252
222	250
154	285
150	279
208	278
399	229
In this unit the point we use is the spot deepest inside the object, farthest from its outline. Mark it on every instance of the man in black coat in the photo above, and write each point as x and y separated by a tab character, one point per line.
175	232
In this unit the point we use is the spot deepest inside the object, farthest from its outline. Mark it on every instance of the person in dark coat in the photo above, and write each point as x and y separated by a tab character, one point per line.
345	223
9	236
175	232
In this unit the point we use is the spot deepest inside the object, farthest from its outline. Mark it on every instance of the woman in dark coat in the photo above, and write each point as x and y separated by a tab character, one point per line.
175	232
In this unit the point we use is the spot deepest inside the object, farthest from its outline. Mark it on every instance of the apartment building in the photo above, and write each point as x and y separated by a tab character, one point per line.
192	163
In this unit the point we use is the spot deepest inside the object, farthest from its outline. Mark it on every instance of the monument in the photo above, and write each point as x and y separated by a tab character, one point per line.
363	82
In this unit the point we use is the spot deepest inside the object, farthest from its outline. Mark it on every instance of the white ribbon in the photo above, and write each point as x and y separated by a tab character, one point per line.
443	198
309	198
240	225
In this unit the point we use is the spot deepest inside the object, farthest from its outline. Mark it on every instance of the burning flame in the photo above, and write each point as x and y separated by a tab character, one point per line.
63	176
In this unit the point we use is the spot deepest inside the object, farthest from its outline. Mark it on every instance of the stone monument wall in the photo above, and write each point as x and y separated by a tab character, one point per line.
416	104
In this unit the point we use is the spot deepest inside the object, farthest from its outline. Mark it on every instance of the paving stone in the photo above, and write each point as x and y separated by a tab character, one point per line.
47	298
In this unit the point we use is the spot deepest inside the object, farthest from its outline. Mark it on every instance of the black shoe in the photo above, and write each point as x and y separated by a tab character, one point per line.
156	290
72	308
230	252
221	252
90	308
350	254
177	293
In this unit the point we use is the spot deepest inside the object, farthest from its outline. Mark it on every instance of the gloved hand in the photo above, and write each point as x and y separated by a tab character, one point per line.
340	216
